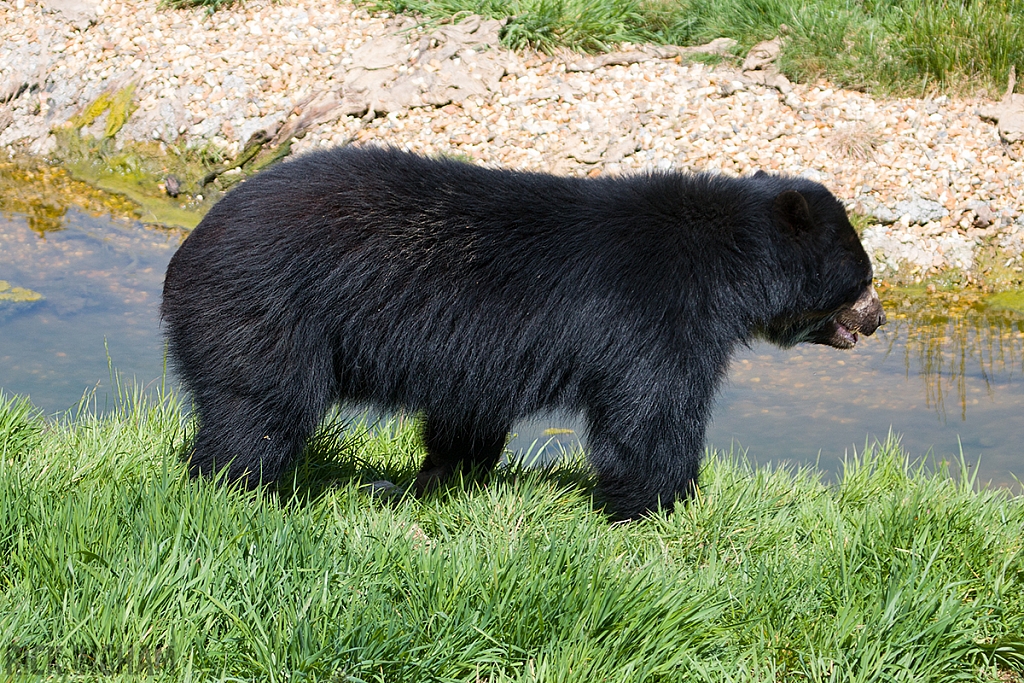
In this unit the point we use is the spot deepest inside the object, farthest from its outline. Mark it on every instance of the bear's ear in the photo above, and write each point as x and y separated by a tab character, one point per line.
760	174
792	214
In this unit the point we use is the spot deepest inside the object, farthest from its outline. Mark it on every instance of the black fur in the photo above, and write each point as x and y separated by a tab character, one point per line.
481	296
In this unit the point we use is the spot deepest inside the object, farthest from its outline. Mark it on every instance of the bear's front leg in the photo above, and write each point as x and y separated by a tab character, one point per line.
646	466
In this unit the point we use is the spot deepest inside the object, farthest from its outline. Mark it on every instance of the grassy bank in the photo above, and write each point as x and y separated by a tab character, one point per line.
114	564
901	46
891	46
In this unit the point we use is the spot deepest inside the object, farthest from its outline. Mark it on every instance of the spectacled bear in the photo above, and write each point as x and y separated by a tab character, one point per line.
477	297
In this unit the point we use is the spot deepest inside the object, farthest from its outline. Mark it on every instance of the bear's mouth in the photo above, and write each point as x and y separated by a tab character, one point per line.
863	316
844	335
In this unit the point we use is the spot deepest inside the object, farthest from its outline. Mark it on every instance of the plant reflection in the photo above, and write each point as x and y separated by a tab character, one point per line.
948	339
43	194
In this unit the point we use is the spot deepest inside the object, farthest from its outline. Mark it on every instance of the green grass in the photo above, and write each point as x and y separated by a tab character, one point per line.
892	46
114	564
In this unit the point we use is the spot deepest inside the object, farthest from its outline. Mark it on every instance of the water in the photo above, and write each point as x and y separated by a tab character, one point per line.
943	374
100	279
945	386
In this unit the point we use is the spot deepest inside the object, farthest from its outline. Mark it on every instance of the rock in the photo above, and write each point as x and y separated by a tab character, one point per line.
891	246
1012	241
408	90
620	148
585	154
1008	113
729	87
30	66
12	87
269	124
160	120
609	139
984	216
384	491
718	46
919	211
172	186
361	83
759	66
459	66
913	211
385	52
610	59
770	77
875	209
474	31
762	55
322	107
82	13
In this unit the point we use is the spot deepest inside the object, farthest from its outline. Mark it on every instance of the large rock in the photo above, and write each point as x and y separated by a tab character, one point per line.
455	62
81	13
759	66
1008	113
718	46
762	55
377	54
919	211
915	210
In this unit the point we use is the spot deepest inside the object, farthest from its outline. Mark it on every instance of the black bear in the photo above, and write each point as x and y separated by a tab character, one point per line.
477	297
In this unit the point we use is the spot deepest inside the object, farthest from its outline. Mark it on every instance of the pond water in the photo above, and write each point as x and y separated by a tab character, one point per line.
98	281
946	373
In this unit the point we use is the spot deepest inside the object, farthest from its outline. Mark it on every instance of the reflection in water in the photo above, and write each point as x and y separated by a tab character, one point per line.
41	196
950	341
946	373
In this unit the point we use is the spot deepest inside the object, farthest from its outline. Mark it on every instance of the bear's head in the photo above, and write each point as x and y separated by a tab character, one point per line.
834	301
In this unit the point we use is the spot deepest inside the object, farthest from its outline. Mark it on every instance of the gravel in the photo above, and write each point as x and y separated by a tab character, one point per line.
935	176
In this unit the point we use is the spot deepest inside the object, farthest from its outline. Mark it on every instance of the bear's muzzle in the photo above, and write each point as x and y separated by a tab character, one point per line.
863	316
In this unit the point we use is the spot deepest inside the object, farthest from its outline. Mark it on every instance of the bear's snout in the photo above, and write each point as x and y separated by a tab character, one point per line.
866	314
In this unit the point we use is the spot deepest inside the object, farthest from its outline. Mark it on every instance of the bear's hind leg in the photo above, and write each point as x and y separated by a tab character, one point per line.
450	449
253	439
